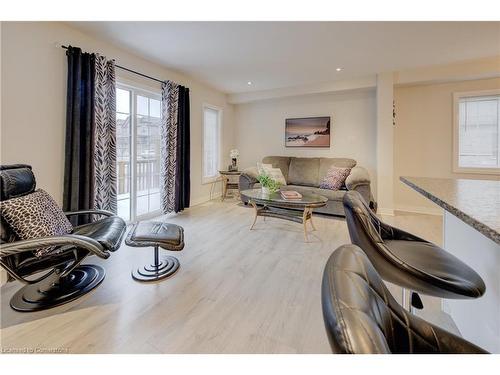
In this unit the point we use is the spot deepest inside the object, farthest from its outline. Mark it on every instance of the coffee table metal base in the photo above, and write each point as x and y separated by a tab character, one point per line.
285	214
159	270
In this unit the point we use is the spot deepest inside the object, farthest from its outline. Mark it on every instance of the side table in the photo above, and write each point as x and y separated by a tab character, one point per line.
230	182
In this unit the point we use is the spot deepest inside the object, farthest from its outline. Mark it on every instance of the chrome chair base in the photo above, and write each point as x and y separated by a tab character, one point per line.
55	291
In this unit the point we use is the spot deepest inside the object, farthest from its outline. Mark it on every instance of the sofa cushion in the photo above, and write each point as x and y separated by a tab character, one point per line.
333	195
281	162
304	171
261	168
326	163
274	173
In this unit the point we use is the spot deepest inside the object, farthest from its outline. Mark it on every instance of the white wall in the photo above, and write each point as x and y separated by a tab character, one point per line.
260	127
423	139
385	143
33	95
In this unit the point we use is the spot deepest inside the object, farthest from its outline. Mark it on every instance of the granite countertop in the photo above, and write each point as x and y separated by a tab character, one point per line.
475	202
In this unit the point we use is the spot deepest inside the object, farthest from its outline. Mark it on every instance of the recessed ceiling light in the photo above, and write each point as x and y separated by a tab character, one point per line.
339	69
249	83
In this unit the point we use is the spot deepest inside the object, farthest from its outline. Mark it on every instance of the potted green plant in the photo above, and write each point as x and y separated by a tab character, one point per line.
269	184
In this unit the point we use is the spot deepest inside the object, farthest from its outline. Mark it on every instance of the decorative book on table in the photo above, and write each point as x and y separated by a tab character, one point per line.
290	194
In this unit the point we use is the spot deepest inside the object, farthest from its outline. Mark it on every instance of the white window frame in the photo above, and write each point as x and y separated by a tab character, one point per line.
210	179
134	91
456	132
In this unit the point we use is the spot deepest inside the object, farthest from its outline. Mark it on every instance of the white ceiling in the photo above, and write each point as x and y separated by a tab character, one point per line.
226	55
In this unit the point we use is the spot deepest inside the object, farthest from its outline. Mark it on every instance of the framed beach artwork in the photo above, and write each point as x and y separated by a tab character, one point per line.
307	132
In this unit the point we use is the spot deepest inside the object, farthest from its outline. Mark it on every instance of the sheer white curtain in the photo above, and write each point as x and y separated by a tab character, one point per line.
211	143
479	132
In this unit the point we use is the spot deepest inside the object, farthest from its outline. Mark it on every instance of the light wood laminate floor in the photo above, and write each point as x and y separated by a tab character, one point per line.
237	291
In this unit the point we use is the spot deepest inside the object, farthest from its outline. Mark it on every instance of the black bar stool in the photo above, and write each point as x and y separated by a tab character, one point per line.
362	317
407	260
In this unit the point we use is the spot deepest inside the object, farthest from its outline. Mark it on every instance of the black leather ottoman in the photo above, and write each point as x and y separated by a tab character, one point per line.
156	234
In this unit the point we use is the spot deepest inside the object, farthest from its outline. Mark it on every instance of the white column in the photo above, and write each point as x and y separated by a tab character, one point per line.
385	143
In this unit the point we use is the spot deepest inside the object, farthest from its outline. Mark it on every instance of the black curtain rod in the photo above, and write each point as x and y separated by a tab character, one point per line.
132	71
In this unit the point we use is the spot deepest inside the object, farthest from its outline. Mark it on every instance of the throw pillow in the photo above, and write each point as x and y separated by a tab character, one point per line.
35	215
274	173
261	167
335	178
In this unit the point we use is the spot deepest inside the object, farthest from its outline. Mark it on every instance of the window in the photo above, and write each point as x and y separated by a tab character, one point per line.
477	132
138	118
211	142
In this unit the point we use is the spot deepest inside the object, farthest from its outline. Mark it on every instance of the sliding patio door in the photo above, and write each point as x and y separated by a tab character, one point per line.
138	117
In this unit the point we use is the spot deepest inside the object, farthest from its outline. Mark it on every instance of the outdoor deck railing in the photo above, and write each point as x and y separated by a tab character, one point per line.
147	175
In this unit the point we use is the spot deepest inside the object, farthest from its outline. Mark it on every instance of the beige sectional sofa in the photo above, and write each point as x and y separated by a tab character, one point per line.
306	174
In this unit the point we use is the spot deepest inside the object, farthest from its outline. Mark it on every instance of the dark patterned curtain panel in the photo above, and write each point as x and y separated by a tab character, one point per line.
175	148
79	156
90	167
182	181
105	135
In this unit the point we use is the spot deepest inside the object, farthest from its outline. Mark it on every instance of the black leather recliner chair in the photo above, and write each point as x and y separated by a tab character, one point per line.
63	278
362	317
407	260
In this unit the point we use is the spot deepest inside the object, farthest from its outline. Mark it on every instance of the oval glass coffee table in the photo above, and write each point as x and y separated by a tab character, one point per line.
274	205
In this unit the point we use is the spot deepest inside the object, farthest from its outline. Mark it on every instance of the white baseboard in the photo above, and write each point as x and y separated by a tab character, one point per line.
385	211
204	199
421	210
